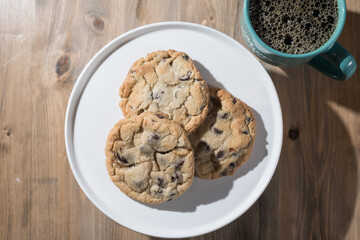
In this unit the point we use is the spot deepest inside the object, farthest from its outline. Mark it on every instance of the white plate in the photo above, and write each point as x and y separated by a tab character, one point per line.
93	110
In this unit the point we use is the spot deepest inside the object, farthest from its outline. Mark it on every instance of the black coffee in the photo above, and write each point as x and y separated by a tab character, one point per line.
294	26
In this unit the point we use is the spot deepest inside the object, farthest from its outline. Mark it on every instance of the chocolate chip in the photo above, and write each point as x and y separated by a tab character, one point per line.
247	120
234	101
159	116
185	77
121	158
160	190
232	165
160	181
223	173
245	132
217	131
179	176
172	194
131	165
156	96
173	179
155	136
225	115
231	149
220	154
169	199
176	93
179	164
185	57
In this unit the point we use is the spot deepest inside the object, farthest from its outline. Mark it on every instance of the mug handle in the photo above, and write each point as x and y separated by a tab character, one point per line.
337	63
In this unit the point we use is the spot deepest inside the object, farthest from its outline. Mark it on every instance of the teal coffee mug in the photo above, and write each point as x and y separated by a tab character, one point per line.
332	59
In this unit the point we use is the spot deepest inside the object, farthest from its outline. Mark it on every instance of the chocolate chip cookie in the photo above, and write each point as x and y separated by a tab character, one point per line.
225	139
150	158
167	82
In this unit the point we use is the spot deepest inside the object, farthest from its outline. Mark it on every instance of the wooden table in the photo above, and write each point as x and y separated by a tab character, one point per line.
44	45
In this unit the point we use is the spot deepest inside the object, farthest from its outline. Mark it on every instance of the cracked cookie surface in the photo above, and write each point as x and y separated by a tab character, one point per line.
225	139
167	82
150	158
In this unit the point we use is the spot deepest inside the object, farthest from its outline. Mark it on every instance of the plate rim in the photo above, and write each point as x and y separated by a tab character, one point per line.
84	78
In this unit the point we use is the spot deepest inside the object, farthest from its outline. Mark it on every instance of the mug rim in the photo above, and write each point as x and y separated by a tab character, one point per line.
339	27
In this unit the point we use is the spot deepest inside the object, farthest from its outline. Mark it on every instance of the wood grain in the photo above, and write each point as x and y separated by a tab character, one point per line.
45	45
